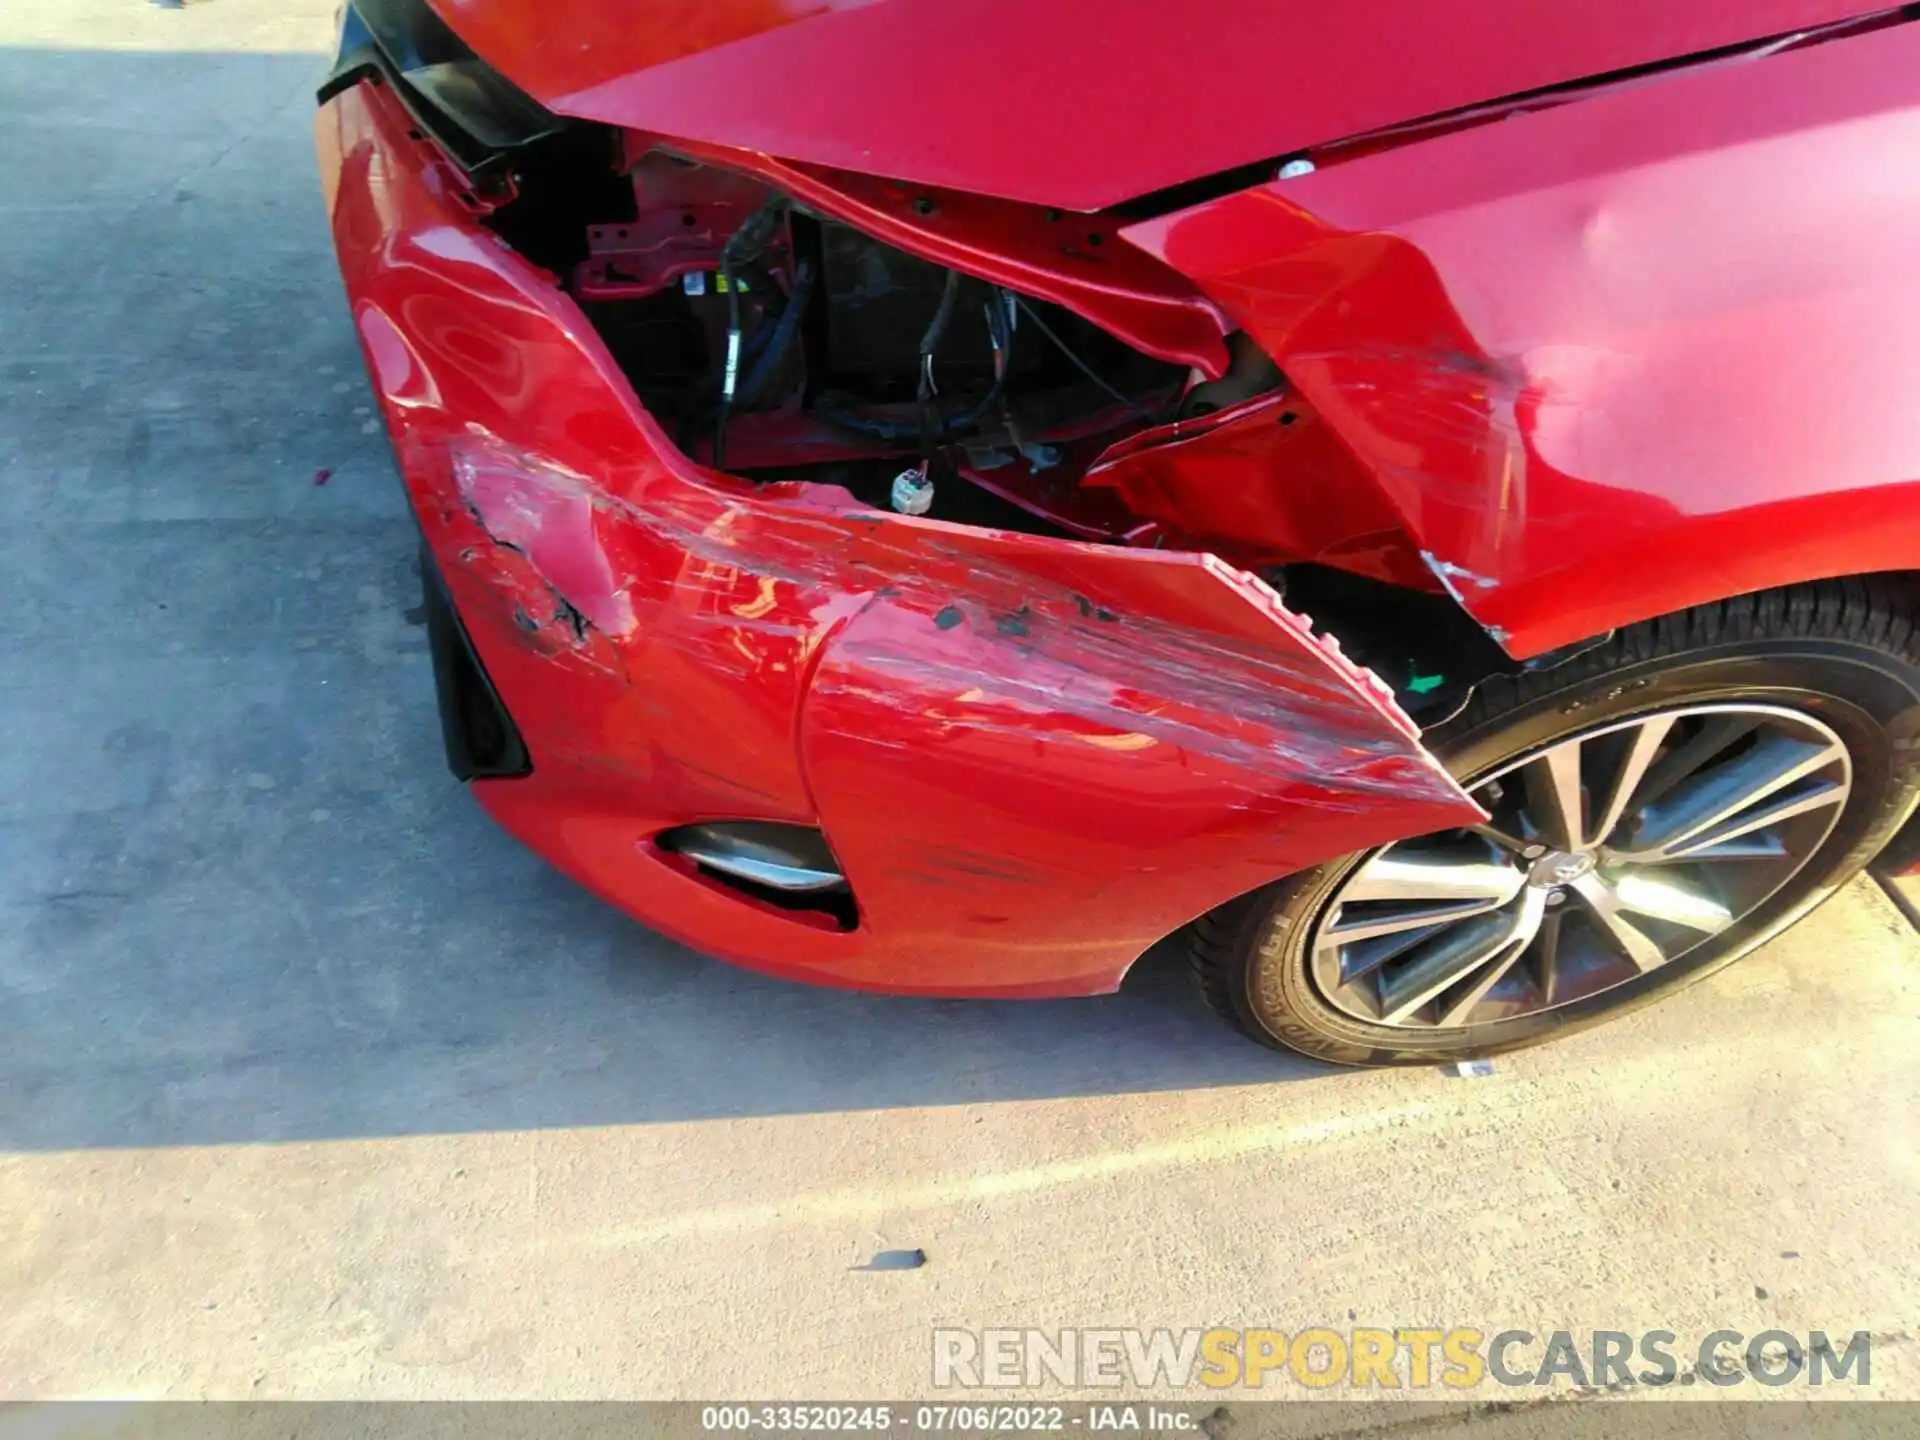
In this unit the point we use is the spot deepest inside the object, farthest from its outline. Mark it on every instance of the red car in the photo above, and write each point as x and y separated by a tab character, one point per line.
938	495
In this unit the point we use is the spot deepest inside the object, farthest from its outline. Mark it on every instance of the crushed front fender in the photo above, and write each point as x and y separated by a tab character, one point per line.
1602	360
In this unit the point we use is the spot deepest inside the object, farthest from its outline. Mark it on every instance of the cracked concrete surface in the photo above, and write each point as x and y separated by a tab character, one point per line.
314	1085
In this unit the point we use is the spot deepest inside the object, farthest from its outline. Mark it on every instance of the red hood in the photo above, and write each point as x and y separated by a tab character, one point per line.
1067	102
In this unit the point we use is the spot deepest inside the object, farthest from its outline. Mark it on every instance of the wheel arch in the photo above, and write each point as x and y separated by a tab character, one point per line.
1645	573
1358	613
1852	642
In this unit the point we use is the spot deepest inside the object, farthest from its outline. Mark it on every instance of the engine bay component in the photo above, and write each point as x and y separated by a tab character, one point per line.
783	345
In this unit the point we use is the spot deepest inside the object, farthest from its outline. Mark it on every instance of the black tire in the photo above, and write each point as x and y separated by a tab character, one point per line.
1845	651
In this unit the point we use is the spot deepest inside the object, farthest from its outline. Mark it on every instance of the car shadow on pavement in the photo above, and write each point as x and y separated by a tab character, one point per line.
240	899
399	970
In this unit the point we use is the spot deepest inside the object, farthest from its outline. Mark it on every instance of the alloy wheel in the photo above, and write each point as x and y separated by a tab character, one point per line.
1605	856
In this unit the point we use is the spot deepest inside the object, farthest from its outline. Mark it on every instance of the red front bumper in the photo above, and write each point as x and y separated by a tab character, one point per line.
1032	758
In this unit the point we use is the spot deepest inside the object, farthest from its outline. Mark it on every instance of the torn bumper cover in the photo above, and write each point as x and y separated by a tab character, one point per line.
1030	758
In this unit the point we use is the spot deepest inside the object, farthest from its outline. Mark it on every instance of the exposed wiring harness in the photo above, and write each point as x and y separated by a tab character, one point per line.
932	427
729	283
759	355
769	343
1079	364
743	246
927	398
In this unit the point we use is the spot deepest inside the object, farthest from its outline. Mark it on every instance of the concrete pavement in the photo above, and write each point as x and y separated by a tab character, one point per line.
312	1084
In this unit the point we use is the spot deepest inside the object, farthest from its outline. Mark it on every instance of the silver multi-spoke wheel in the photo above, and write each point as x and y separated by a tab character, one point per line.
1606	855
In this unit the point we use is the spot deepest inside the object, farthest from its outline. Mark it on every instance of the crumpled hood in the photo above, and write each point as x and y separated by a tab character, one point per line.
1062	102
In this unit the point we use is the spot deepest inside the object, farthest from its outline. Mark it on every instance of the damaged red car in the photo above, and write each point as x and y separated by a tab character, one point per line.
937	496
